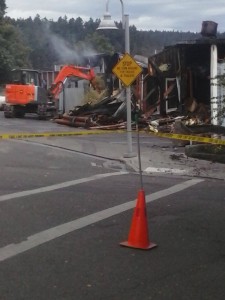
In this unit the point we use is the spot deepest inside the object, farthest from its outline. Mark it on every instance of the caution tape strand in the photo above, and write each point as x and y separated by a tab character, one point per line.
190	138
89	132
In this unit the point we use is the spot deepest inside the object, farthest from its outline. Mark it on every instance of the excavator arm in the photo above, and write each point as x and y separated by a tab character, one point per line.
71	71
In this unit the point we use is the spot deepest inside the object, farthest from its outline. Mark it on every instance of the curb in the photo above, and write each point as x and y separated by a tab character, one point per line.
206	152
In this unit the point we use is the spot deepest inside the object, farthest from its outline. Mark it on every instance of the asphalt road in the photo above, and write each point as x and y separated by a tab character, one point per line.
63	215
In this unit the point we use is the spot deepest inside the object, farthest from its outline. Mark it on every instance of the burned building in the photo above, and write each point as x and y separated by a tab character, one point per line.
184	78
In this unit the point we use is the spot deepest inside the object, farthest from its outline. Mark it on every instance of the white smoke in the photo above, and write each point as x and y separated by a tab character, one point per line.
68	54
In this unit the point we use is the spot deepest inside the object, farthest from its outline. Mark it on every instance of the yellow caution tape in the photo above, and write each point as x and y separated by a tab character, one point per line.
50	134
193	138
89	132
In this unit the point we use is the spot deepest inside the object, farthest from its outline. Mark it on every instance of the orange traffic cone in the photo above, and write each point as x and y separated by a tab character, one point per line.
138	235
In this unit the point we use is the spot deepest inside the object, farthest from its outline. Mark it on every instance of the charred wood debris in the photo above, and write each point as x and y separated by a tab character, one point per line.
109	113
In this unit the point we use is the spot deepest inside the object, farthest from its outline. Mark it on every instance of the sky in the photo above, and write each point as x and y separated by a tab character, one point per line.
177	15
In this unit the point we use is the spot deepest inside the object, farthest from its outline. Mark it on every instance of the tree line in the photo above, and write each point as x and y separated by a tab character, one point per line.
39	43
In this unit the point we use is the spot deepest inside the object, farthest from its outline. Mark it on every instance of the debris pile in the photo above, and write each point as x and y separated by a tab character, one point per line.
108	113
197	113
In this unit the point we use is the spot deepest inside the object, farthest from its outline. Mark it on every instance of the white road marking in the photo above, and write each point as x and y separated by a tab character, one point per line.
58	186
60	230
142	142
165	170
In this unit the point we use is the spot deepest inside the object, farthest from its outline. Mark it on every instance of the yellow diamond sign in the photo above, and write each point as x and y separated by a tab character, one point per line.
127	70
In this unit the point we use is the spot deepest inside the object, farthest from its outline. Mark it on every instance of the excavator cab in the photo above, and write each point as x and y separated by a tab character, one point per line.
25	77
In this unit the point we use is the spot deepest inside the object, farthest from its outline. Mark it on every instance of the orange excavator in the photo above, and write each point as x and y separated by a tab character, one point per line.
27	95
70	71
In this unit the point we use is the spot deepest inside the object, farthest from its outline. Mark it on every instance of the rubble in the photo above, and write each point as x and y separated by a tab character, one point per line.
107	113
110	113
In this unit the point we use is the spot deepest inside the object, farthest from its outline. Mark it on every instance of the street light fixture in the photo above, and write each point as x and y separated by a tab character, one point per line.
107	23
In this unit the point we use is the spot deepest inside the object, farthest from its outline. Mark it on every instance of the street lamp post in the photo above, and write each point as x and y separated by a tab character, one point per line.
107	23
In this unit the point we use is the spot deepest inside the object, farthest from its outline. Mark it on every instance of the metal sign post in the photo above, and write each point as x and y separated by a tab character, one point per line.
127	71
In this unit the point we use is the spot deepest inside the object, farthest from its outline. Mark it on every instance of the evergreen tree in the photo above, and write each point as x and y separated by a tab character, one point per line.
2	9
13	50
